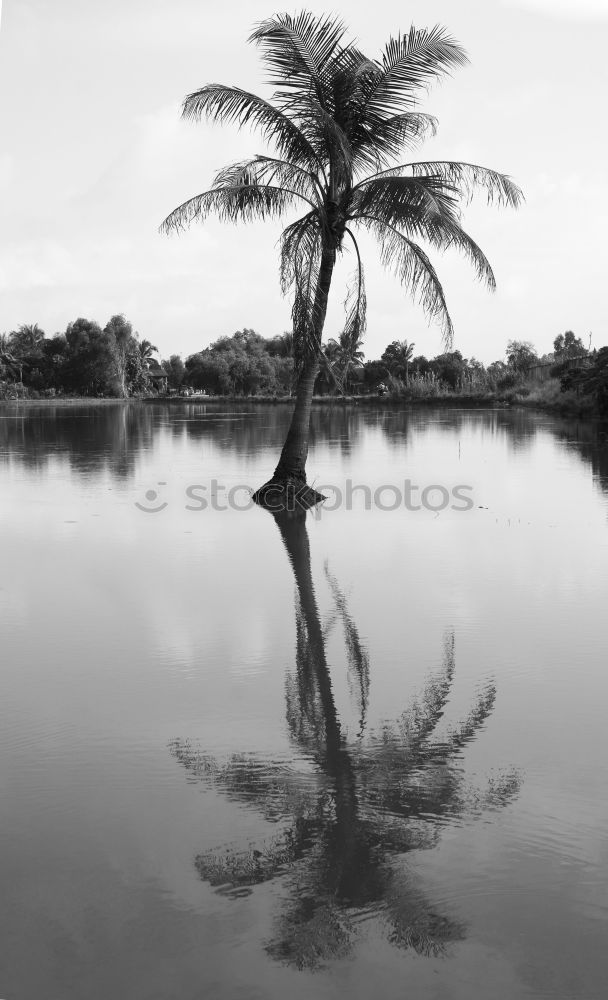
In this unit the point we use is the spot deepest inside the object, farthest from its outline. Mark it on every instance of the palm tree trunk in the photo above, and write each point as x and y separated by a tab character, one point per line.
287	489
292	463
336	757
344	868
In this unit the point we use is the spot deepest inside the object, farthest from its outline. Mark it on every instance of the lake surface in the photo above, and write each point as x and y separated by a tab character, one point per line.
361	754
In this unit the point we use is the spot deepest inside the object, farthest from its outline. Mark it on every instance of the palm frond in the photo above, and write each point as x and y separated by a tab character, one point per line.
378	140
468	729
242	202
411	61
350	71
467	178
412	202
297	50
300	262
425	207
414	270
357	656
266	170
445	233
327	137
233	870
355	306
232	105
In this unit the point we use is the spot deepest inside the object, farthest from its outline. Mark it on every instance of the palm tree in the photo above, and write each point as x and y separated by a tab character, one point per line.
27	340
372	797
397	358
146	350
345	354
337	121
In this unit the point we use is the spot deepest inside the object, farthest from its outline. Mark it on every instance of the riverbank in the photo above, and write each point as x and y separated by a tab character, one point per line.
68	401
563	403
547	399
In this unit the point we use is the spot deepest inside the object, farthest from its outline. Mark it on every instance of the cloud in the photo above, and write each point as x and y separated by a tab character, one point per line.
114	261
578	10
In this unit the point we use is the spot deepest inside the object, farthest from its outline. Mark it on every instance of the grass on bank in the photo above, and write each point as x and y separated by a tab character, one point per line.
546	395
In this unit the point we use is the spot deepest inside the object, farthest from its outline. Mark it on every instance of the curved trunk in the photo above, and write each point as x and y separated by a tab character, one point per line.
287	490
292	463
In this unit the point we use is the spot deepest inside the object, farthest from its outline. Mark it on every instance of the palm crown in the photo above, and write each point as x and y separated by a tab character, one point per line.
337	121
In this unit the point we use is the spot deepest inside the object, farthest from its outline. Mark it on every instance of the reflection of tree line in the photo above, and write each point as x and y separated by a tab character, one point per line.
367	800
589	440
93	437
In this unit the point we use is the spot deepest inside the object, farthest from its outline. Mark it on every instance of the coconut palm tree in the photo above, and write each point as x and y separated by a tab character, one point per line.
372	795
397	358
146	350
345	353
27	340
337	121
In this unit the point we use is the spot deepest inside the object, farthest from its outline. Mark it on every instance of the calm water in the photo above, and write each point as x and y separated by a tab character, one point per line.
361	755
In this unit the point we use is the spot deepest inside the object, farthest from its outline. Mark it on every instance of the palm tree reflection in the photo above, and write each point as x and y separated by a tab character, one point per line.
348	807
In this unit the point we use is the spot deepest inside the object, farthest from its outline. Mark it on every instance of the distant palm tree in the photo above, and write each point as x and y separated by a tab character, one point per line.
27	340
371	797
337	121
346	354
146	350
397	358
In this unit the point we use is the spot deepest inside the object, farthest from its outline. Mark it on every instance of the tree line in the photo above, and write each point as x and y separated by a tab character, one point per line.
113	361
85	360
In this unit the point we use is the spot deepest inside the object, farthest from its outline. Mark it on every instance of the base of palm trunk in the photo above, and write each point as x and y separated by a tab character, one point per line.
287	495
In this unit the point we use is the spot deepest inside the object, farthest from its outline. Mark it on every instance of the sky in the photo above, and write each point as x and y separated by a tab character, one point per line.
93	156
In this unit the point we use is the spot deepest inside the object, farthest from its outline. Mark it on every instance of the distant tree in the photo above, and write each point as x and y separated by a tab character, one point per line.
521	355
420	365
45	371
345	354
90	361
146	350
9	365
175	370
240	365
281	346
137	373
26	342
374	374
397	358
475	372
592	380
121	331
567	345
449	368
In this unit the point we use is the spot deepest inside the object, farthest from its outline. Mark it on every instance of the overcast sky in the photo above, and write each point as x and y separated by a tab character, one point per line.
93	155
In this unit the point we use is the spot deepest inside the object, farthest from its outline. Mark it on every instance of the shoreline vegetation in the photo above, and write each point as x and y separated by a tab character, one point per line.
547	398
91	364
